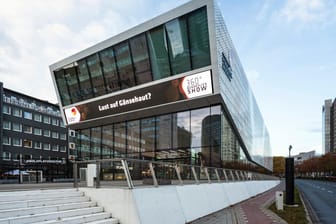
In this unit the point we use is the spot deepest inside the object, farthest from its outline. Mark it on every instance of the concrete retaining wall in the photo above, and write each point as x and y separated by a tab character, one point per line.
174	204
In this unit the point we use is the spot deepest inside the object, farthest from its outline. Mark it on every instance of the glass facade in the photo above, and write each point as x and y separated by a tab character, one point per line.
169	49
219	128
192	137
239	99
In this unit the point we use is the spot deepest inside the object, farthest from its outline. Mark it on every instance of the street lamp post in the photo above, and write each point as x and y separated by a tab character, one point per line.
290	178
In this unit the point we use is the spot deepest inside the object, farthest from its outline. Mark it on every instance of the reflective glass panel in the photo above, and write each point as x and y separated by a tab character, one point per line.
140	59
120	140
133	139
163	130
84	80
124	65
85	144
72	82
62	87
158	49
96	75
96	142
199	38
148	138
179	53
110	70
107	142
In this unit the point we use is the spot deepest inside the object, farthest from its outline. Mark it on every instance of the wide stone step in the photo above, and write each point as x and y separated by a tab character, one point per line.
97	218
38	191
45	202
51	216
41	196
44	209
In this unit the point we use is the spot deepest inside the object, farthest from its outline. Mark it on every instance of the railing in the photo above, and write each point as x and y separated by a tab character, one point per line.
133	172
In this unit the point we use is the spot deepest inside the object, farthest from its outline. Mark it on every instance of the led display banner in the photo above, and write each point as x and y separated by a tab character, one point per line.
188	87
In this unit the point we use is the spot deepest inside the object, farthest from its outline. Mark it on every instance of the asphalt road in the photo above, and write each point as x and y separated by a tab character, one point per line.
321	196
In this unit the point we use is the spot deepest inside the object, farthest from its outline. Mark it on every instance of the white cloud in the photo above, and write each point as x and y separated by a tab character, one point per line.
310	11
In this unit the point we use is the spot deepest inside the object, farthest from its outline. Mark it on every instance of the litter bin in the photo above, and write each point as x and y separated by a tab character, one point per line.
279	200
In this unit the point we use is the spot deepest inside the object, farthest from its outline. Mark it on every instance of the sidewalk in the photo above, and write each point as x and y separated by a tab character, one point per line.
253	210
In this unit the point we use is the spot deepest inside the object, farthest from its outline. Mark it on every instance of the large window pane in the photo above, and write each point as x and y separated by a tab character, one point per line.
72	82
140	59
148	138
84	80
110	70
158	53
107	142
164	135
199	38
124	65
96	75
181	130
133	139
120	140
62	87
179	53
85	144
96	142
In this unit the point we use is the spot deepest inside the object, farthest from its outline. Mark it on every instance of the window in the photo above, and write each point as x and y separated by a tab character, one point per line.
46	119
46	133
37	131
110	70
17	112
158	50
96	75
62	124
124	65
46	146
17	127
54	121
178	45
62	87
96	142
70	76
38	117
6	125
27	143
63	136
27	115
17	142
6	155
86	90
140	59
27	129
164	136
6	109
6	140
54	134
37	145
54	148
62	148
199	38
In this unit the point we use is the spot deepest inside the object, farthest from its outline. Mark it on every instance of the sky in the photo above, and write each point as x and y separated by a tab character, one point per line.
287	49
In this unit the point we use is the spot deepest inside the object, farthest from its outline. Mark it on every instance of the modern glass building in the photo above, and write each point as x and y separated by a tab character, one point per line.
170	89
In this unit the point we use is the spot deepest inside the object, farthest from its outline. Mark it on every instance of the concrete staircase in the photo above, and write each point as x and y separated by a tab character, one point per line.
51	206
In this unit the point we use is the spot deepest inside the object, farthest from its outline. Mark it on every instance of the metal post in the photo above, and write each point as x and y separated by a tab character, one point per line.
74	171
231	173
207	174
217	175
127	174
237	175
194	174
177	169
97	174
225	175
153	175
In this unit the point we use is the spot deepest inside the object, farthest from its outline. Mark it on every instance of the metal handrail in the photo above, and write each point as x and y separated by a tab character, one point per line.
220	174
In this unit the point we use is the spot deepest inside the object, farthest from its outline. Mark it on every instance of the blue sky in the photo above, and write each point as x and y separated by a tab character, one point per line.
287	48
